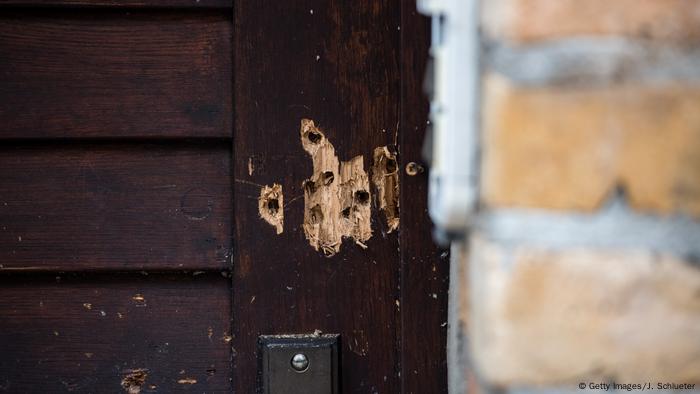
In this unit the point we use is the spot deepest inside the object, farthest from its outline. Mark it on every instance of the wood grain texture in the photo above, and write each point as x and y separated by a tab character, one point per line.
121	3
115	73
84	334
115	206
336	63
424	266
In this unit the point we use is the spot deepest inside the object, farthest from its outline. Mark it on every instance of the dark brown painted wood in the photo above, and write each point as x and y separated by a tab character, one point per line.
116	157
121	3
115	73
424	266
335	62
98	189
115	206
84	334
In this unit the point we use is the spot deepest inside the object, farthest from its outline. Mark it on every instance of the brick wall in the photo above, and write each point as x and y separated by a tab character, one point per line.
582	263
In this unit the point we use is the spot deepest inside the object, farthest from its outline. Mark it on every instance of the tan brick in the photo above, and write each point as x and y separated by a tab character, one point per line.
466	381
531	20
546	317
567	148
459	256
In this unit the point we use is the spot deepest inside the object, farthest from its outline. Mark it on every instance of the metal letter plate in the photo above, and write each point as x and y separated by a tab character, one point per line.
278	374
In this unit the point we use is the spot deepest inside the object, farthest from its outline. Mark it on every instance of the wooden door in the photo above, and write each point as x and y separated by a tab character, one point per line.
135	140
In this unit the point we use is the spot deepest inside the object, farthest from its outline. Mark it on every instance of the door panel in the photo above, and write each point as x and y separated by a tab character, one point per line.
335	63
136	138
115	165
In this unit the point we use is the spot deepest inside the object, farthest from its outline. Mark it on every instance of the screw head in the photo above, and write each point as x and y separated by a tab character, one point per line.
300	362
413	169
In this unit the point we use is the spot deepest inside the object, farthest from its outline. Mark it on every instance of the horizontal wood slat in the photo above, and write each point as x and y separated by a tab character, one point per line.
88	206
121	3
86	335
115	73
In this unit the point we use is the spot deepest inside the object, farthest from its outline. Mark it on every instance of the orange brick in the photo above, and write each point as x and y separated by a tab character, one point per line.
567	149
543	317
531	20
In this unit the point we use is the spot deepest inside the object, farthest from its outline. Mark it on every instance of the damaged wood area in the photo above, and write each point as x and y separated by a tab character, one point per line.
270	206
336	196
337	199
385	176
133	380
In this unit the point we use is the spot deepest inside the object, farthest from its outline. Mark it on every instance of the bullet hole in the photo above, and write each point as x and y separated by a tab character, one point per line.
310	186
390	166
273	205
315	138
331	212
328	178
385	177
316	214
362	197
270	206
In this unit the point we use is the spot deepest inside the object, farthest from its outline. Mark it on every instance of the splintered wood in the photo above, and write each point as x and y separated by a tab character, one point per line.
355	200
337	199
385	176
270	206
336	196
133	380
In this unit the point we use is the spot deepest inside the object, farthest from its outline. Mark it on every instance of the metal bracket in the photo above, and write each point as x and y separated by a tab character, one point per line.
454	83
299	364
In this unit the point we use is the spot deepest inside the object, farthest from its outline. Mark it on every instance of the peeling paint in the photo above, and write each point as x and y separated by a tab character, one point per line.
336	196
271	206
385	176
133	380
187	381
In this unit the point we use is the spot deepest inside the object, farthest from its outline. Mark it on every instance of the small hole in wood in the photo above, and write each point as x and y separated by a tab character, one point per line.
346	212
390	166
315	138
328	178
362	197
273	206
316	214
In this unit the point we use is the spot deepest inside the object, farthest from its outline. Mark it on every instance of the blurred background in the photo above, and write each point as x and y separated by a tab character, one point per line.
576	234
